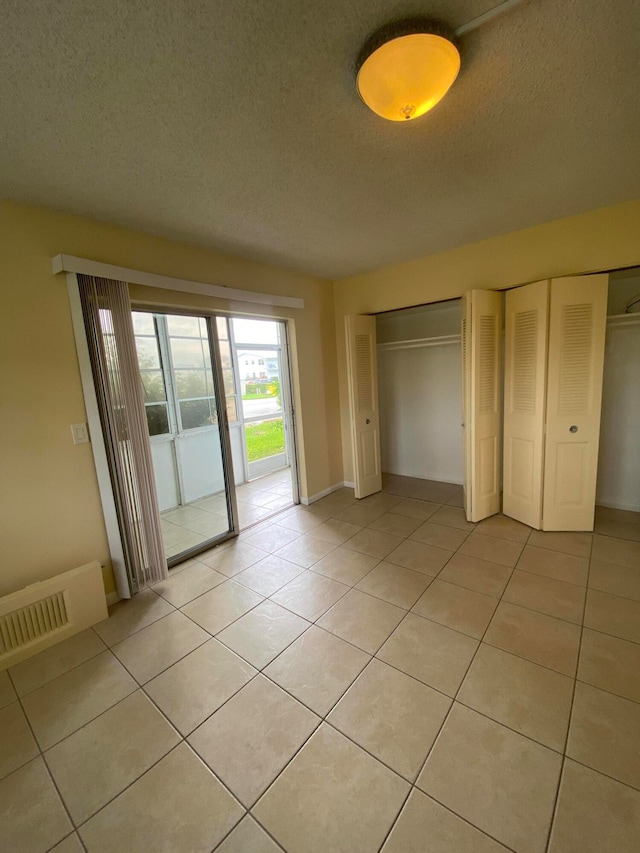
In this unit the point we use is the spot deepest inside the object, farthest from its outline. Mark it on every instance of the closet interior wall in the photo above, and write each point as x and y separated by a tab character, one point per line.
618	484
420	390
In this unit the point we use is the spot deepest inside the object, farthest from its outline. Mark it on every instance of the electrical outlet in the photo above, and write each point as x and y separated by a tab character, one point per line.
80	433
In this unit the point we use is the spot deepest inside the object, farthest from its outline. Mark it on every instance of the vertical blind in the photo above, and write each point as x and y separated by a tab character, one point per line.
108	323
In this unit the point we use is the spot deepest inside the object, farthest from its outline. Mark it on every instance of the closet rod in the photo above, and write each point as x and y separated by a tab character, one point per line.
418	343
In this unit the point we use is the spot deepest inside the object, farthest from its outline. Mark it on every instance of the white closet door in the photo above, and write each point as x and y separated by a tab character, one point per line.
526	321
577	325
363	401
482	381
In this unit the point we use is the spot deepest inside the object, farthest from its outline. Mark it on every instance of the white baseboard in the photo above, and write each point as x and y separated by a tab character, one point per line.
112	598
617	505
324	493
452	480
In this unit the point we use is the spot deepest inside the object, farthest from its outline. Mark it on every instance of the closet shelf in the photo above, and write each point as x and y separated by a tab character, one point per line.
624	319
418	343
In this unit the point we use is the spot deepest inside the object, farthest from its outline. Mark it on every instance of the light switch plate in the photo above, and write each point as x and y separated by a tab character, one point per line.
80	433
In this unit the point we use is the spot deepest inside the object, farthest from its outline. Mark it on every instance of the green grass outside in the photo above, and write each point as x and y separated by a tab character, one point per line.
264	439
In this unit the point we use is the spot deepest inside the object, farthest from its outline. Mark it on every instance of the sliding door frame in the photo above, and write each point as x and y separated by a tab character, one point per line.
288	398
223	425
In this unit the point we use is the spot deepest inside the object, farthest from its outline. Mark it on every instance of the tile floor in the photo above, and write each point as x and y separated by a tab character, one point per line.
194	523
360	676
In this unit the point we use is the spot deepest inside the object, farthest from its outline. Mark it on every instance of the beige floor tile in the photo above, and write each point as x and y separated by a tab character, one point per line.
421	510
374	543
154	649
395	584
127	617
301	520
71	700
594	814
554	564
419	557
501	551
306	550
396	523
335	531
457	500
345	566
605	733
195	687
317	668
333	796
272	538
32	817
394	484
503	527
310	595
381	500
614	615
362	620
621	552
177	805
453	517
617	580
54	661
269	575
610	663
480	575
98	761
7	693
429	652
433	493
249	514
233	558
248	837
539	638
528	698
360	515
422	818
17	744
617	529
251	738
70	844
218	608
335	502
502	782
186	585
392	716
263	633
456	607
440	535
578	544
548	595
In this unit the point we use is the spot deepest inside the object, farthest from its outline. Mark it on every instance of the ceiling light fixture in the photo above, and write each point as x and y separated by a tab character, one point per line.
405	68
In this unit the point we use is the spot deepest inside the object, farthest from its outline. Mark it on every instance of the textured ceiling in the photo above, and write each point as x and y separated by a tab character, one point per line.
235	124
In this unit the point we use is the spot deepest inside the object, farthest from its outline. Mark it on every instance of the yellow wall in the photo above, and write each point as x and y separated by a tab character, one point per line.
600	240
50	513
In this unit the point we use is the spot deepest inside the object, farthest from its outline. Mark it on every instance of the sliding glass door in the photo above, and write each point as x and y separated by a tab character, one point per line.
183	381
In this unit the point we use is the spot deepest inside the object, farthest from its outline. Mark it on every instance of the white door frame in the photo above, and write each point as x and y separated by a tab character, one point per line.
286	385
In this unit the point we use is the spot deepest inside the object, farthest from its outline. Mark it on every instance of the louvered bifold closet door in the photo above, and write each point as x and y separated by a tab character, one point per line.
482	365
577	325
526	330
362	374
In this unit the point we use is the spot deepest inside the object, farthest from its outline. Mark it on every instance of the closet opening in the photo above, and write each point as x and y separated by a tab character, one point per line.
419	354
618	479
